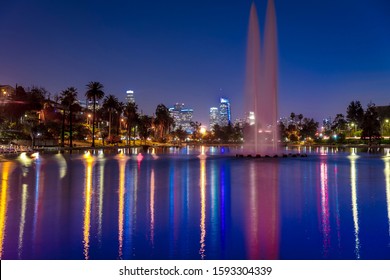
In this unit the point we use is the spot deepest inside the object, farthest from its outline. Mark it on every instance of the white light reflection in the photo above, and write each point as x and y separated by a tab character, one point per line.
202	225
62	164
202	153
22	219
387	180
355	213
325	207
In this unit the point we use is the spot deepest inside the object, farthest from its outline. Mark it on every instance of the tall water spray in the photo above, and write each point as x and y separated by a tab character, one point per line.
261	93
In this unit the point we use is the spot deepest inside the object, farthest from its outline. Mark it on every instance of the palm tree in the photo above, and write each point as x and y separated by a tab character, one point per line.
130	112
110	104
68	100
94	92
119	110
163	120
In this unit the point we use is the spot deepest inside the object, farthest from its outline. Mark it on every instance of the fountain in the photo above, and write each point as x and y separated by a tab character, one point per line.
261	101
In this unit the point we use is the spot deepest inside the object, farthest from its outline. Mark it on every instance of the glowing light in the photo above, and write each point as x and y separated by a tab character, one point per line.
62	165
24	159
202	153
140	157
202	130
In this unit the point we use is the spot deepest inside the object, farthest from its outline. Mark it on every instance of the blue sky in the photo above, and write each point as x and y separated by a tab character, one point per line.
330	52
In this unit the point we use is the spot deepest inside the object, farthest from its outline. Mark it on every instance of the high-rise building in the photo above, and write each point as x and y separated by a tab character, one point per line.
213	117
130	96
224	112
182	117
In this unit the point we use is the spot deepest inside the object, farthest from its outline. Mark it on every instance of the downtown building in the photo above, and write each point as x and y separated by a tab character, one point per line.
221	115
130	96
182	117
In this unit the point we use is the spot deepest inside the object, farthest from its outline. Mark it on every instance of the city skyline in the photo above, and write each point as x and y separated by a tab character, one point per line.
330	52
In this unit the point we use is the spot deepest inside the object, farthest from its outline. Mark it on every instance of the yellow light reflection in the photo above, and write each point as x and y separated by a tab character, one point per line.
100	205
202	249
6	170
22	219
355	213
89	161
152	191
121	200
387	180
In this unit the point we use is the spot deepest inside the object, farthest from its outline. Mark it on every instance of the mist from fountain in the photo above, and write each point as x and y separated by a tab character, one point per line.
261	136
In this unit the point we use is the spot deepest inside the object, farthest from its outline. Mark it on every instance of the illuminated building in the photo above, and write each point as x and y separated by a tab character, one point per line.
213	117
130	96
224	112
182	117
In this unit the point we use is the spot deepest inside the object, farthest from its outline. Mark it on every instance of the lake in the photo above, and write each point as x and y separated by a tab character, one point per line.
195	203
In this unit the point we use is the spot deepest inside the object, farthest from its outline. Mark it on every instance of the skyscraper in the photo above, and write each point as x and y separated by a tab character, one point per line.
130	96
224	112
213	117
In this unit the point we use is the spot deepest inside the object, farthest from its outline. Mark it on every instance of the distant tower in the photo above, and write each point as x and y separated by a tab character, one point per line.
213	117
224	112
130	96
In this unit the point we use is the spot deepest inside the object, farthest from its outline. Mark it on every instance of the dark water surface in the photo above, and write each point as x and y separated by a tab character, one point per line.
175	205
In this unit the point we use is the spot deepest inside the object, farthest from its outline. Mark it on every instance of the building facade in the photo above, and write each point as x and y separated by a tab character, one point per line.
182	117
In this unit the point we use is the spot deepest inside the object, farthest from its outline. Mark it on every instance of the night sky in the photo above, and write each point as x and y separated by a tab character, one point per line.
330	51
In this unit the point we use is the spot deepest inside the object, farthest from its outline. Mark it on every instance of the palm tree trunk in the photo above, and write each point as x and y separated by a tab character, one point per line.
63	129
93	121
109	125
70	128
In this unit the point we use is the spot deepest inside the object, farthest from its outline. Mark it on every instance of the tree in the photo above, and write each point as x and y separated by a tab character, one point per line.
110	104
309	128
130	112
163	120
196	130
339	124
371	123
355	113
94	92
145	126
68	99
181	134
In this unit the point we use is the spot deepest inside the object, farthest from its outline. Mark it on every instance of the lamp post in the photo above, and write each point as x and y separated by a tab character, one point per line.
385	129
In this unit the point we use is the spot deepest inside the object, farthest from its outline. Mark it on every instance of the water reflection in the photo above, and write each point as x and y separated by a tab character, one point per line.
89	162
151	205
387	182
22	219
6	170
183	207
263	213
100	199
122	159
202	184
355	212
325	207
